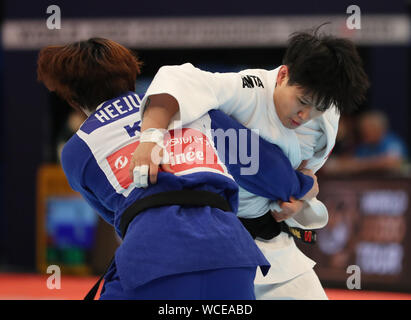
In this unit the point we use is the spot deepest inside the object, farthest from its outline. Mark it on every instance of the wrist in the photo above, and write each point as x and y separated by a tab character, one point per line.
154	135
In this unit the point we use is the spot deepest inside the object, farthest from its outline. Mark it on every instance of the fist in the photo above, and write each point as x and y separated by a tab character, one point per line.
315	188
288	209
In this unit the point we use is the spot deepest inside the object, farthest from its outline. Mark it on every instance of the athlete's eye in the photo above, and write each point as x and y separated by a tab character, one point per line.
304	103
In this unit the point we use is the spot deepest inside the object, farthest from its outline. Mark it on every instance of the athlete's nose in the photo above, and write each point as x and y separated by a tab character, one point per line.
304	114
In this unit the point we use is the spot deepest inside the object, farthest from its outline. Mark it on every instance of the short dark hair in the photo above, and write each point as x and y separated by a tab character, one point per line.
327	67
87	73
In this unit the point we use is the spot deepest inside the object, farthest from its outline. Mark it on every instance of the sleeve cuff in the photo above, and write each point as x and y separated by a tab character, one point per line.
313	216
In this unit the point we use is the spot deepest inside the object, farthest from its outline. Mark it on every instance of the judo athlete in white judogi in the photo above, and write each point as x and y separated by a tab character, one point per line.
302	122
292	272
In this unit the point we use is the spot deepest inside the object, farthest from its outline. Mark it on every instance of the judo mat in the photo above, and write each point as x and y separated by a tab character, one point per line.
26	286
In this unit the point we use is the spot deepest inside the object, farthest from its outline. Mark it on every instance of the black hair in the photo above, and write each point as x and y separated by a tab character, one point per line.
328	68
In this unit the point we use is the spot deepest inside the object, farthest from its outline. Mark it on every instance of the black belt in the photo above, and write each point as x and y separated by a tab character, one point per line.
192	198
197	198
267	228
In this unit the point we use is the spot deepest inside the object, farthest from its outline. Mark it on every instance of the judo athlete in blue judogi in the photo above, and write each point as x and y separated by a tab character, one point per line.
170	251
181	238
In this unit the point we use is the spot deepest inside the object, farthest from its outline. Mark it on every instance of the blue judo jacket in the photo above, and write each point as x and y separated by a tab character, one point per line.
167	240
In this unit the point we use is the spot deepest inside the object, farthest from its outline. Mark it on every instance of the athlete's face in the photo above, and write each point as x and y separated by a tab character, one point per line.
293	105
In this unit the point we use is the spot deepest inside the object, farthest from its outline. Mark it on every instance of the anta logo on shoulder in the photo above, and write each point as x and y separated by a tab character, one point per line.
251	81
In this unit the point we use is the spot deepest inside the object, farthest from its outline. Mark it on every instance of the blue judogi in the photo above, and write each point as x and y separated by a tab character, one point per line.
275	179
164	246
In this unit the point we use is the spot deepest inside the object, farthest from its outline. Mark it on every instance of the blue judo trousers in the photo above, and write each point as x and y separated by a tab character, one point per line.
173	252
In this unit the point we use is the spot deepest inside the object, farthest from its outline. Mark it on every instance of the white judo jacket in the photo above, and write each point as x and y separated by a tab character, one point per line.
247	96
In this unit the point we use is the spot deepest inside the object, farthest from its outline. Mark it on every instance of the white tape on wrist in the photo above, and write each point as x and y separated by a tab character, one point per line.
153	135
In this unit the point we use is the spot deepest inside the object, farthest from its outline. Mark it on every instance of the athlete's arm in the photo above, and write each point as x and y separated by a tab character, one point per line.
197	91
158	111
185	93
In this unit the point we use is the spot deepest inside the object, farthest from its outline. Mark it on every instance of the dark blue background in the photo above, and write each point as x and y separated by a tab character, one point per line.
26	117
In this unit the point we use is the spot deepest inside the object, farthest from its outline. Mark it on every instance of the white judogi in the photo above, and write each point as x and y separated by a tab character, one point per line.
247	96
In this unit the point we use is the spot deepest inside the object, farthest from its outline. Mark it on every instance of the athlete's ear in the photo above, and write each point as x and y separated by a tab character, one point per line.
282	76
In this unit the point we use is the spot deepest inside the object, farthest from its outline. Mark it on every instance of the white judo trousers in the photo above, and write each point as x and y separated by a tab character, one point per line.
292	276
305	286
247	96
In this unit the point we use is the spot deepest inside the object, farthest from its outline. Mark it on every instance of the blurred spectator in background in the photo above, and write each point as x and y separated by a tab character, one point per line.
377	143
377	149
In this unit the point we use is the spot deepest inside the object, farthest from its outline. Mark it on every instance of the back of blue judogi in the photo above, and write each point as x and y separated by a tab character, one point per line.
166	240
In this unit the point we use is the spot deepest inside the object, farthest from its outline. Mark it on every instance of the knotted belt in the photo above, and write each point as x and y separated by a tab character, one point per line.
185	197
267	228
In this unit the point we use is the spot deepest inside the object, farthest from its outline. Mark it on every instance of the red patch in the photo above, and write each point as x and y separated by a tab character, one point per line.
187	148
119	163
